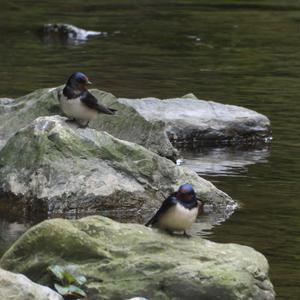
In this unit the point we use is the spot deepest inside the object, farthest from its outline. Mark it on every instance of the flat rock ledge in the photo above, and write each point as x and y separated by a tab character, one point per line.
122	261
52	166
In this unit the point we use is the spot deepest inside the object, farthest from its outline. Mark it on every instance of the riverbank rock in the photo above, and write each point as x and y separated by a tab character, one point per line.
163	126
56	167
121	261
19	287
185	123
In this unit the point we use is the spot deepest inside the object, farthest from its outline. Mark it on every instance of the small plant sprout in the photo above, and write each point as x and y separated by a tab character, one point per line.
67	283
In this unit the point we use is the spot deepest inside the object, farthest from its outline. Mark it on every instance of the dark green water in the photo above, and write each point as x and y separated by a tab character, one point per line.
236	52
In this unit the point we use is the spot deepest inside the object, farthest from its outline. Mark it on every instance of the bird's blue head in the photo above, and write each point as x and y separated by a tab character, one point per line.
186	189
78	80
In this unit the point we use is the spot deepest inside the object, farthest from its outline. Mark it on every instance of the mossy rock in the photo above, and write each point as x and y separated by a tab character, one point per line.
55	167
121	261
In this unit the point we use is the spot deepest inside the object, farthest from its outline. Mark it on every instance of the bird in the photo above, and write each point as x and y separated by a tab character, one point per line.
78	103
178	211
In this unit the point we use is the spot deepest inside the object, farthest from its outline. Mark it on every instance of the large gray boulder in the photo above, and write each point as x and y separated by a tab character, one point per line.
162	126
19	287
55	167
166	125
122	261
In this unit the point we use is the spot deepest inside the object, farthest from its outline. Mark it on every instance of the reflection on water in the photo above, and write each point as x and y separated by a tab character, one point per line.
226	161
209	219
9	232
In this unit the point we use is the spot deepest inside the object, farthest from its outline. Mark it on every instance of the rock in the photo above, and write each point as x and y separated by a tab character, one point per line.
19	287
163	126
185	123
121	261
6	101
55	167
66	33
20	112
138	298
190	96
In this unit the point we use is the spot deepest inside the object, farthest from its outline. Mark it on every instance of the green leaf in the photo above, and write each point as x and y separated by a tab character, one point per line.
63	290
65	277
68	277
57	272
80	280
76	291
70	290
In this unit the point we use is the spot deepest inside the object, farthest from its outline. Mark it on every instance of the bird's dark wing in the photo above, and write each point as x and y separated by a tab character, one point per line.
167	204
90	101
68	92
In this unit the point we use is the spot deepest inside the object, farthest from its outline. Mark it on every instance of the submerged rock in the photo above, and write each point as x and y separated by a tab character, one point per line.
19	287
121	261
55	167
66	33
162	126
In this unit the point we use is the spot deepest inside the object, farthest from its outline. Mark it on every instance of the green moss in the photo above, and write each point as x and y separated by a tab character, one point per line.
126	260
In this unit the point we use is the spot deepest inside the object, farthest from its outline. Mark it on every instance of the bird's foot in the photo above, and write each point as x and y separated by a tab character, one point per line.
170	232
70	121
185	234
81	125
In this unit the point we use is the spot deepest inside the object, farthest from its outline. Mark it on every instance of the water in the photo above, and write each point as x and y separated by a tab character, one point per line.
236	52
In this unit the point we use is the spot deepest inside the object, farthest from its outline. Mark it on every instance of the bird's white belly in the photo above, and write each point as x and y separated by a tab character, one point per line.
178	218
73	108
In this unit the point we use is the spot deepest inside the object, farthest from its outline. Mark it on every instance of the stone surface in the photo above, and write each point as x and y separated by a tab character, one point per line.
19	287
17	113
55	167
159	125
121	261
190	122
185	123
